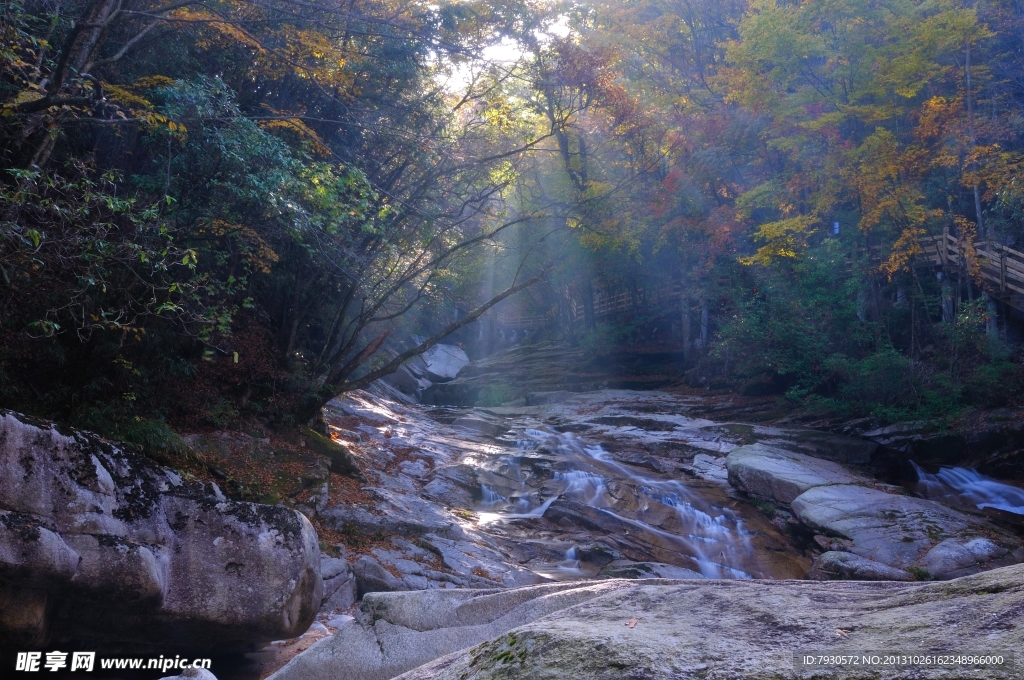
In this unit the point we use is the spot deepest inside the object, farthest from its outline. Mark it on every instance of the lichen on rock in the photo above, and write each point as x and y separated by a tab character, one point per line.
97	544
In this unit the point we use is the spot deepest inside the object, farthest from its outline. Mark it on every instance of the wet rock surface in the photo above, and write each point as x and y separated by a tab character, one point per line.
671	629
100	546
844	566
519	494
506	496
907	533
877	522
775	474
990	441
566	489
395	632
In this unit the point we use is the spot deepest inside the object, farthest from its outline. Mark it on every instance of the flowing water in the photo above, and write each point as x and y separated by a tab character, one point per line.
714	538
969	487
572	507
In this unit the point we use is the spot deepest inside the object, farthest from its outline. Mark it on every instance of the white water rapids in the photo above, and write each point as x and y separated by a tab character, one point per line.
712	537
970	487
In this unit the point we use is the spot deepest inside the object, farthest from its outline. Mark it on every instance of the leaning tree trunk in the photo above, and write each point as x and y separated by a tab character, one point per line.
80	49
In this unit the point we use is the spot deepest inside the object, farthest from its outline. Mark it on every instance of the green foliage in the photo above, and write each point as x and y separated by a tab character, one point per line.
993	384
811	322
152	436
766	508
796	319
221	413
599	341
84	257
919	573
299	185
296	186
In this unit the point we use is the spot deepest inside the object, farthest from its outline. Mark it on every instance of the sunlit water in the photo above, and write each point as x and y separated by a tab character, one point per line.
712	537
970	487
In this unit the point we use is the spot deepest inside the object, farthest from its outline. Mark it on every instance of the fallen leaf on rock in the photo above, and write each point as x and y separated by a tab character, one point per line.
632	622
842	633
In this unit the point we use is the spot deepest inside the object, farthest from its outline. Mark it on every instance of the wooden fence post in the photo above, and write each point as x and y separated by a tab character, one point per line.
944	251
1002	269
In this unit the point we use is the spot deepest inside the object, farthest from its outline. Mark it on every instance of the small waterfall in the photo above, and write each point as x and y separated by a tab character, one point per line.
490	496
571	564
712	538
487	517
589	486
708	567
970	486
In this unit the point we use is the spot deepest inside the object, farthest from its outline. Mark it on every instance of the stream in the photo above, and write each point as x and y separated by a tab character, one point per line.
664	513
962	486
621	483
608	483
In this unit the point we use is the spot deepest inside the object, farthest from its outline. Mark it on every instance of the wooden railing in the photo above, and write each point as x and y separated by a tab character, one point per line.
1002	267
510	319
607	303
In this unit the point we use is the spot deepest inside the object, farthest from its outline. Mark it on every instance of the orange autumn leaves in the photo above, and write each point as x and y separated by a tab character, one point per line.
868	113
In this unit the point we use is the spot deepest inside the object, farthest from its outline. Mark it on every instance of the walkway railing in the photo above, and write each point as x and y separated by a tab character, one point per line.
1002	267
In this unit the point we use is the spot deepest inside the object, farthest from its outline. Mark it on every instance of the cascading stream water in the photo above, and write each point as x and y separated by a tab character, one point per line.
712	538
969	486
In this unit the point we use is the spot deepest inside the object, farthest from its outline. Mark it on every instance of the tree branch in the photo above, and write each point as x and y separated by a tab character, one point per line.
393	365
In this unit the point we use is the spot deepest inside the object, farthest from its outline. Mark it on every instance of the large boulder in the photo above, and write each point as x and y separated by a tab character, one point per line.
827	445
444	362
778	475
907	533
98	544
394	514
340	585
636	570
673	629
404	381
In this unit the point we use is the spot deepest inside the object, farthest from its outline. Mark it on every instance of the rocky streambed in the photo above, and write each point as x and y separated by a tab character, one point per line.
551	511
626	483
508	541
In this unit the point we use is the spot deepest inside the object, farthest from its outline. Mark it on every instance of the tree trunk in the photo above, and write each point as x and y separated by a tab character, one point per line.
948	301
970	130
587	291
309	407
81	46
705	316
687	331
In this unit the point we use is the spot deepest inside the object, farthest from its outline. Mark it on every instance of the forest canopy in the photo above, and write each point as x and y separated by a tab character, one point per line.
212	211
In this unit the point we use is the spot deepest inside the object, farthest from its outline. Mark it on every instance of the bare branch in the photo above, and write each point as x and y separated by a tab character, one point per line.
393	365
128	45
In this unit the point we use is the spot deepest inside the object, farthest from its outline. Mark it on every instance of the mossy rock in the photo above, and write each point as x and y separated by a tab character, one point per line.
342	460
